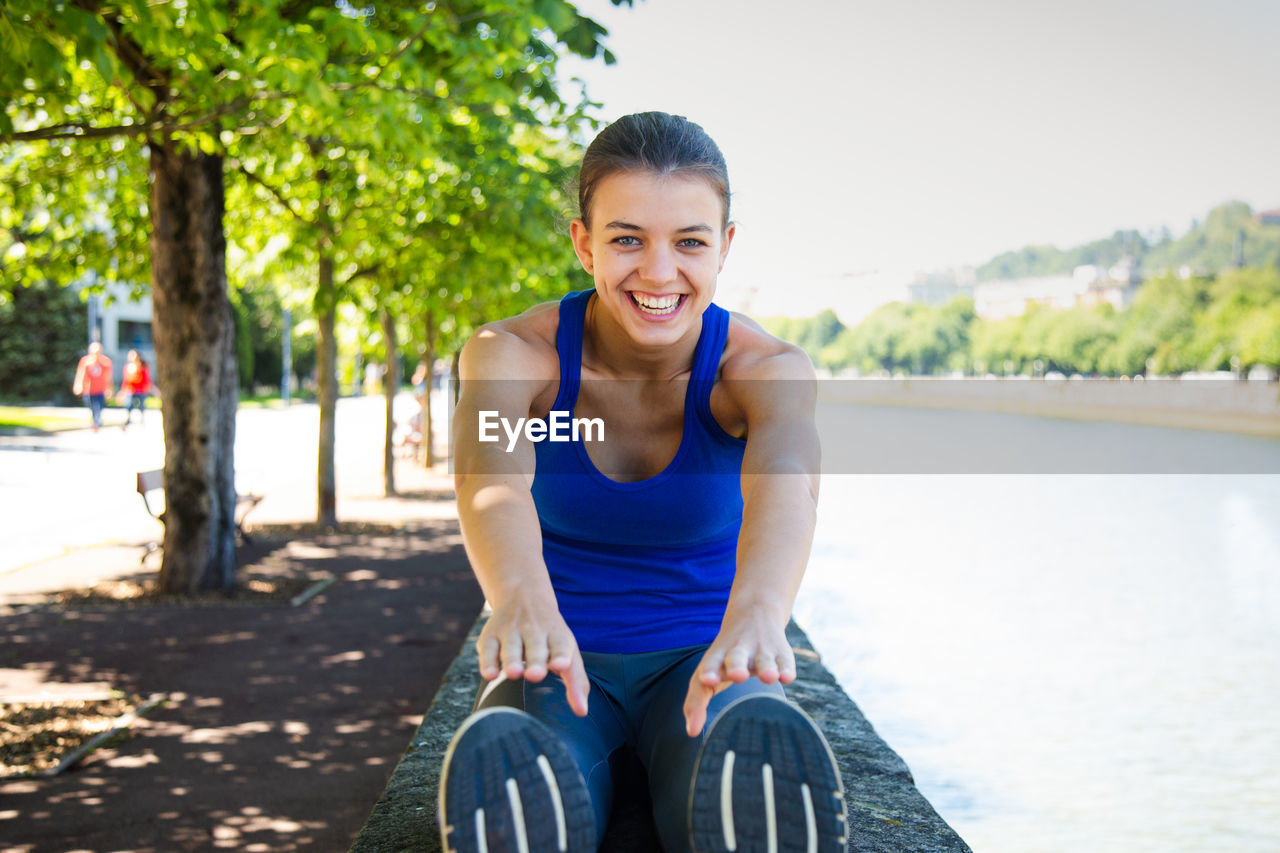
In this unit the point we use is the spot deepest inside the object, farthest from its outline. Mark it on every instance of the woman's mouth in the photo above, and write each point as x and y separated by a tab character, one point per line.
655	305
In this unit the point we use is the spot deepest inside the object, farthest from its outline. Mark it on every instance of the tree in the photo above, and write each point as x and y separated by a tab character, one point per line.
38	361
997	344
1259	337
468	165
125	73
191	84
1234	301
875	344
1077	339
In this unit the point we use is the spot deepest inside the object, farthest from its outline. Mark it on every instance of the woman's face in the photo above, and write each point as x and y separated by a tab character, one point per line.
655	247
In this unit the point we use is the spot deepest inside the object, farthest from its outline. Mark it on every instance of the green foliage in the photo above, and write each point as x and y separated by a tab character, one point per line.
259	321
1049	260
1259	336
877	343
244	340
434	181
1206	249
1174	325
812	334
997	345
1075	341
42	336
1211	248
404	139
902	337
1228	328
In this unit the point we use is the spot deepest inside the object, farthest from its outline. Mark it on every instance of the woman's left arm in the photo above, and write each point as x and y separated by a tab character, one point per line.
777	394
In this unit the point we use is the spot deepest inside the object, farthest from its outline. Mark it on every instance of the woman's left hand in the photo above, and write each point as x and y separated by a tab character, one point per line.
747	645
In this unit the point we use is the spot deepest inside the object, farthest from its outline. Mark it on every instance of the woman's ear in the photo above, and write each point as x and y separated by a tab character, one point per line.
582	244
729	231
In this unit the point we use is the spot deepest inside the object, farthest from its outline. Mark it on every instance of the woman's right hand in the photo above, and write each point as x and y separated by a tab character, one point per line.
527	639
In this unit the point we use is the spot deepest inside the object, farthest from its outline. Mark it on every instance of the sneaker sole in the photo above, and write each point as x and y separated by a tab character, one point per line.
508	785
766	782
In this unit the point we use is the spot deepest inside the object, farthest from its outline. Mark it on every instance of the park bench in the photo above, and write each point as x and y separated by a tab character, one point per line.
151	486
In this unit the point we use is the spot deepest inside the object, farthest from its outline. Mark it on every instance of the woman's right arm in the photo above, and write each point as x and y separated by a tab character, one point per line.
526	636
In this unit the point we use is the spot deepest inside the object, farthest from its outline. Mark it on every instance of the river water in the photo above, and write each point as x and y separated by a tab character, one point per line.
1066	662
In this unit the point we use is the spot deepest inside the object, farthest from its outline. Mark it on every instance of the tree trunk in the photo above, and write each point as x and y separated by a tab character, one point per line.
326	391
390	385
454	374
429	357
194	337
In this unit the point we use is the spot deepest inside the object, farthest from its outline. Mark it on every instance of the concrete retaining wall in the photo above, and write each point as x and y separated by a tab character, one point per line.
886	811
1215	404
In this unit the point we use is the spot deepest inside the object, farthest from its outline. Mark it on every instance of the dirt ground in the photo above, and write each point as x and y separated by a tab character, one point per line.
282	723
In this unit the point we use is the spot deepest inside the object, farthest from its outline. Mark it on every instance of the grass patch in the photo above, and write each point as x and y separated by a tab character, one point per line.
273	401
37	419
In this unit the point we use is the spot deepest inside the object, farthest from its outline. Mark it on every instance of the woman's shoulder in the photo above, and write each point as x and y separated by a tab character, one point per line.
523	345
752	353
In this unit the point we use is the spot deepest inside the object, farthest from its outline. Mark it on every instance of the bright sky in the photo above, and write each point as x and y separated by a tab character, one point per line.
868	140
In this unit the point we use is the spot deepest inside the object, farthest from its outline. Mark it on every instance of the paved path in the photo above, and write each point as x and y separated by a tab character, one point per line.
281	724
75	489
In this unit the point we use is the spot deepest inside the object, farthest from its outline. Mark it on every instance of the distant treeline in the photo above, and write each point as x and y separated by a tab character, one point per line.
1174	325
1230	236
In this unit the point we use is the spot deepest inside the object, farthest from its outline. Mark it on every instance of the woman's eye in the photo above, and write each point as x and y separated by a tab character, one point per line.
625	240
691	243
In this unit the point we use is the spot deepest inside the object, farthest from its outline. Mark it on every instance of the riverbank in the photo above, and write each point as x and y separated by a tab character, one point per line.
1251	408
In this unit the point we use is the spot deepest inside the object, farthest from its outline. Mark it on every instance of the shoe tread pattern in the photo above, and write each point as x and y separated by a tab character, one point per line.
499	746
759	731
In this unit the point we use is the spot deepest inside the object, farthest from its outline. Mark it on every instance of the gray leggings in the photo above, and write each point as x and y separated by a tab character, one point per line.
636	701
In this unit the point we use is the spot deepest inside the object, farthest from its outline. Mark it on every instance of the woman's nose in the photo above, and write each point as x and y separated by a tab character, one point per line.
659	265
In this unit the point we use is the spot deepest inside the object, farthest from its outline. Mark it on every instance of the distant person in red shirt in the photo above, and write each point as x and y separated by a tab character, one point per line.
136	385
94	381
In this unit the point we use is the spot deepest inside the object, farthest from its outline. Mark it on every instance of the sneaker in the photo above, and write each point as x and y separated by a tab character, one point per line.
509	784
766	780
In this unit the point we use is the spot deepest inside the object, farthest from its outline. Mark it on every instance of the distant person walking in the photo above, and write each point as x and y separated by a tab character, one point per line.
94	381
136	385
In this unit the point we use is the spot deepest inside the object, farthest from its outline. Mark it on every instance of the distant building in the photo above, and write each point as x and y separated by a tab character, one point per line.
941	286
1116	286
1087	285
996	300
120	324
1269	217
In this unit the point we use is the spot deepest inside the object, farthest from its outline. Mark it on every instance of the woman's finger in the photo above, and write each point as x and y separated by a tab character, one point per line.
786	665
561	650
487	653
708	672
535	657
577	686
736	664
766	667
695	705
512	656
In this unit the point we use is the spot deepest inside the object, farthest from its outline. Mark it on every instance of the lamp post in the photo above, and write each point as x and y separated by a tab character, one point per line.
286	358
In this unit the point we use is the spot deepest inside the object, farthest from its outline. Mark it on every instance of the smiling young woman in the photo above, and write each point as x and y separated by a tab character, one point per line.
640	585
655	252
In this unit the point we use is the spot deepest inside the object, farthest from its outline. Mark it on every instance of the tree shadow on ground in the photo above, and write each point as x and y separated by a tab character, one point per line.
283	723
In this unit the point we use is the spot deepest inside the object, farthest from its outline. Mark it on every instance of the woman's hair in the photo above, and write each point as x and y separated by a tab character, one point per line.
652	142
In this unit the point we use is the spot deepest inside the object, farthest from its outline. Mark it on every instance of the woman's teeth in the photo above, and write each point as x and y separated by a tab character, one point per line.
656	304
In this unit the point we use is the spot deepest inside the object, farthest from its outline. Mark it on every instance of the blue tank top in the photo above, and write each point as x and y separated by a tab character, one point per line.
645	565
